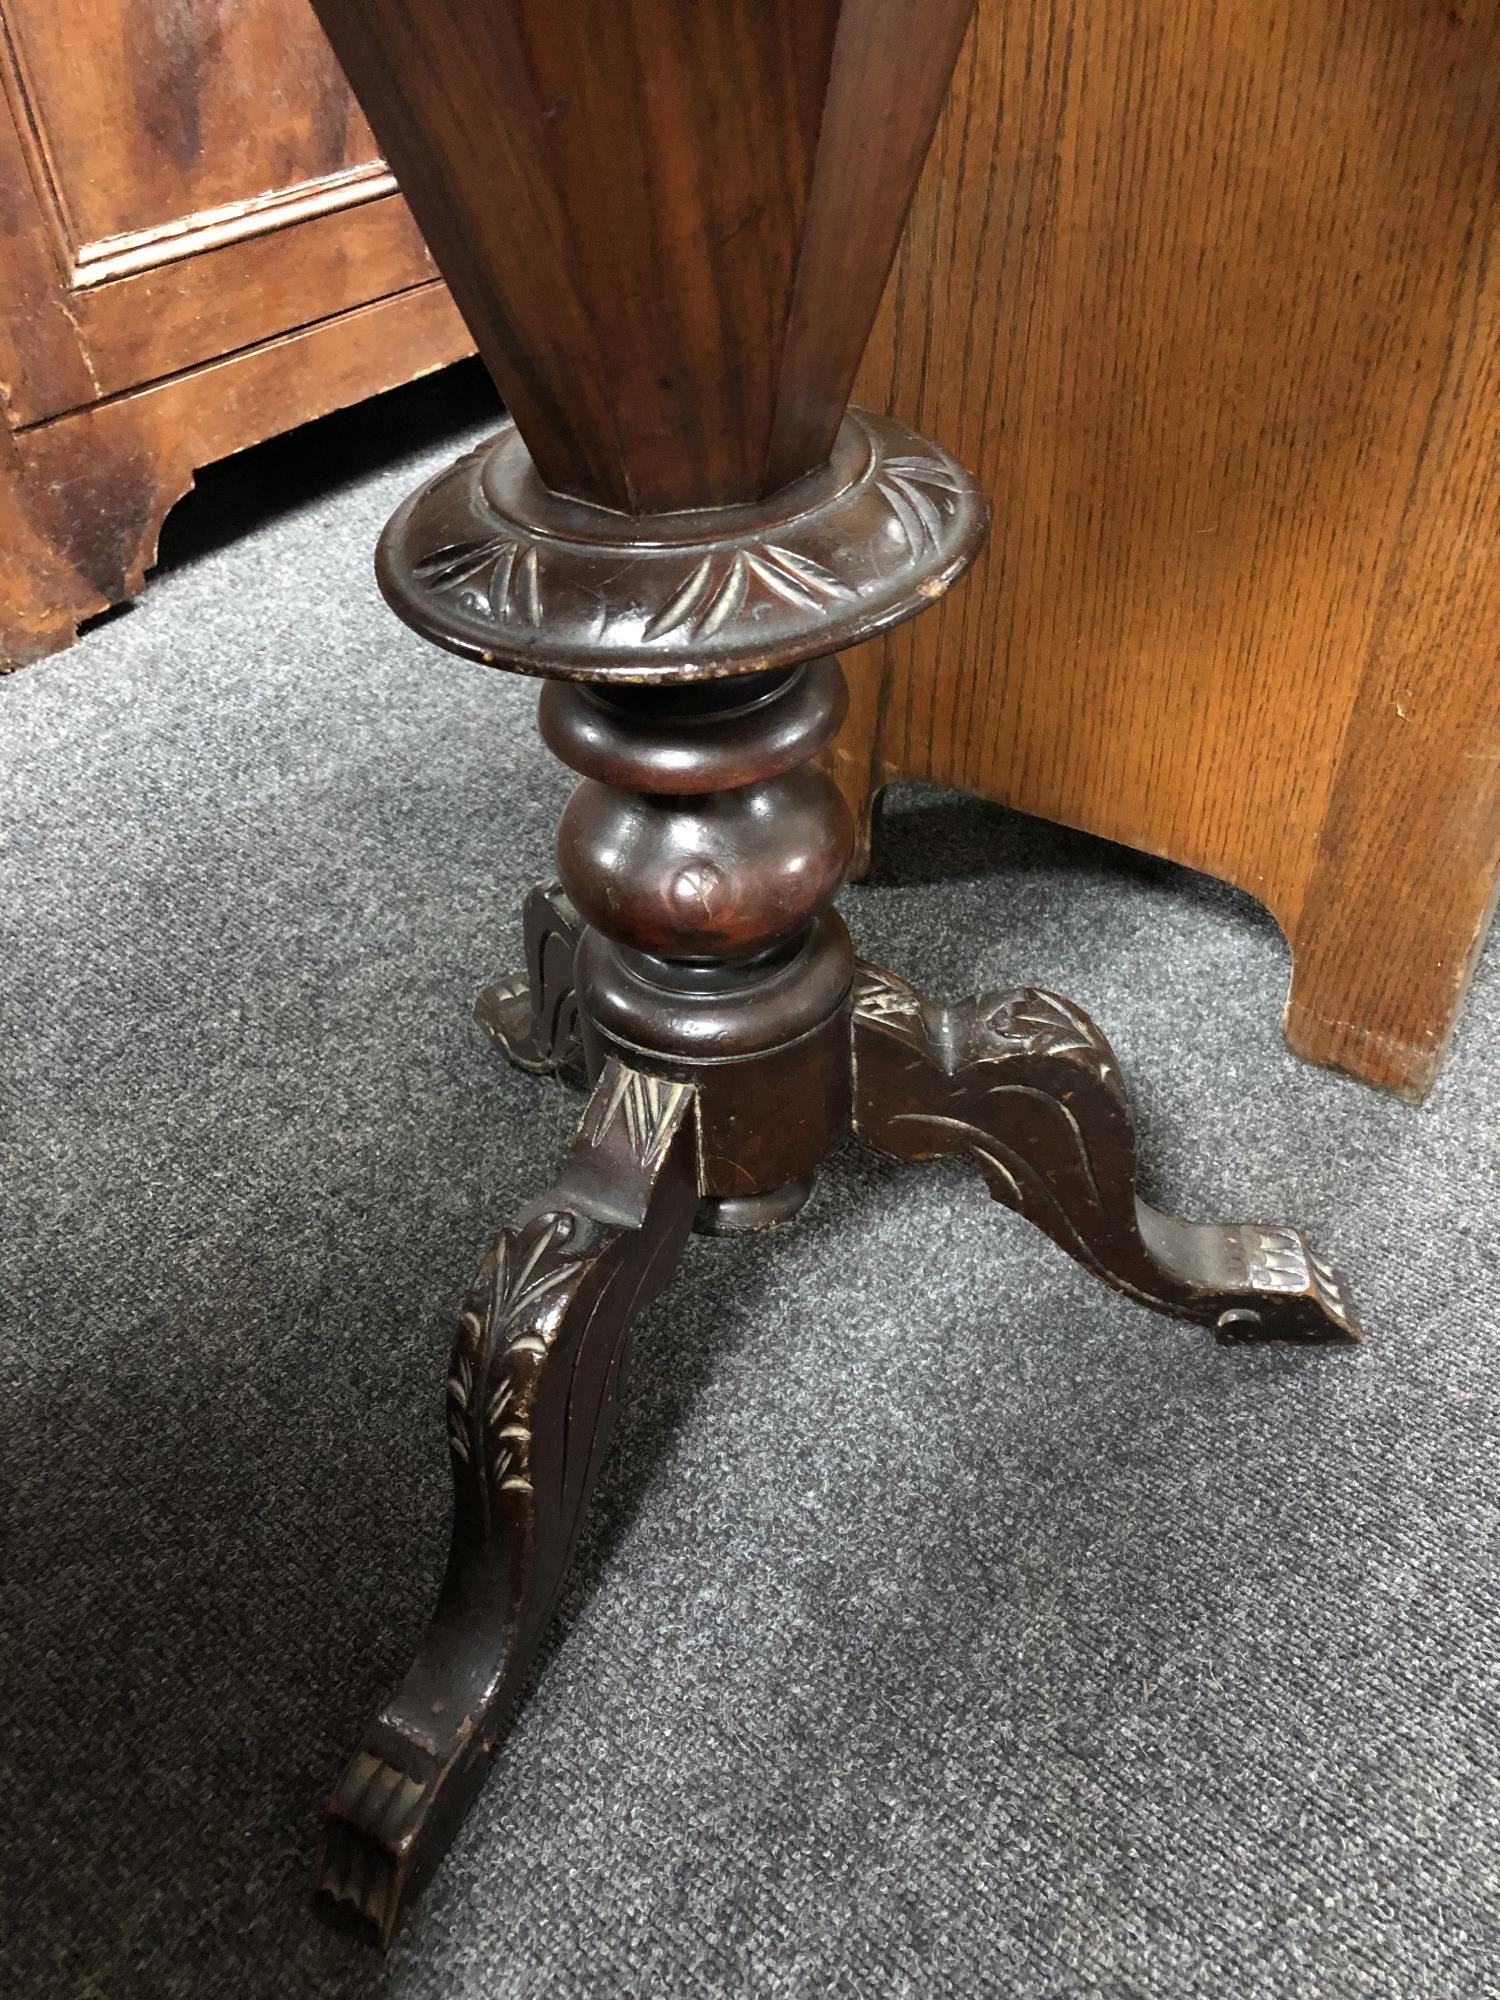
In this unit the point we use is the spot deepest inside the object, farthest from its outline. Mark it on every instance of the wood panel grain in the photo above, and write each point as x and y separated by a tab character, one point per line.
1401	887
42	360
160	321
149	110
1202	294
82	498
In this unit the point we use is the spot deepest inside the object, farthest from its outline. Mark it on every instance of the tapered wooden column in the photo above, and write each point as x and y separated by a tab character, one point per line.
668	223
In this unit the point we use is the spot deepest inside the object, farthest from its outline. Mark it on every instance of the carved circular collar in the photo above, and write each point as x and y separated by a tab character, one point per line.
489	563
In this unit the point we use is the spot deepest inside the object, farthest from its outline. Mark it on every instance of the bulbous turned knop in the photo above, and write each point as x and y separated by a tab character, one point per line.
717	877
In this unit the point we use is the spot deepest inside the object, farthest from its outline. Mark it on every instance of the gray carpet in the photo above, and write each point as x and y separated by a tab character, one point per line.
946	1624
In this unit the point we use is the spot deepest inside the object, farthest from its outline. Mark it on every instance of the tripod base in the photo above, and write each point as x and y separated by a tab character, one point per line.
1021	1083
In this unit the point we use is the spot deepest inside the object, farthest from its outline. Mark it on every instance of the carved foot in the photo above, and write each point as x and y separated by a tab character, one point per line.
1025	1086
531	1397
533	1016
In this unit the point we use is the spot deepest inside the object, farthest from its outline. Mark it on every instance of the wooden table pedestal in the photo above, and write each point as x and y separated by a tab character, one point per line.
668	223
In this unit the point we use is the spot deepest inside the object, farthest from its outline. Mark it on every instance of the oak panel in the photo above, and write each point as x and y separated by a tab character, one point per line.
1199	291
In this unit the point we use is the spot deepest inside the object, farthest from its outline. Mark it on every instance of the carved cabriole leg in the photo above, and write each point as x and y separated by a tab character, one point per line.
1024	1085
531	1398
534	1016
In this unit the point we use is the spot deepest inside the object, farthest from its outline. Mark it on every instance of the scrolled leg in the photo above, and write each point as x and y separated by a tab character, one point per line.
1023	1084
531	1395
534	1016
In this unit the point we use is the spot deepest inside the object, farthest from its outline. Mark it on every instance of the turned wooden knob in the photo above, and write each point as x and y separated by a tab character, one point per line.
724	876
702	836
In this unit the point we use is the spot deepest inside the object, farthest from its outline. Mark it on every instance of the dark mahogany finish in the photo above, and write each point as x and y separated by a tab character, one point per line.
669	222
1024	1085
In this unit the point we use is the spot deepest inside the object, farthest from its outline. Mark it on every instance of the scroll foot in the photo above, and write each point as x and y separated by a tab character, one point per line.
533	1016
1024	1085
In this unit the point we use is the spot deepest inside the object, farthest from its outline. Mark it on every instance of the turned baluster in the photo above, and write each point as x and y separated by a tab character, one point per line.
703	849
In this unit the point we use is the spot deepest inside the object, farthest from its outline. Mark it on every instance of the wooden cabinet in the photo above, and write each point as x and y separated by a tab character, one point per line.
200	246
1209	297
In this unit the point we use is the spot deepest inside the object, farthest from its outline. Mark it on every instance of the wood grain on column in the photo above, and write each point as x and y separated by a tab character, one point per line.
573	303
1199	292
850	237
1402	886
